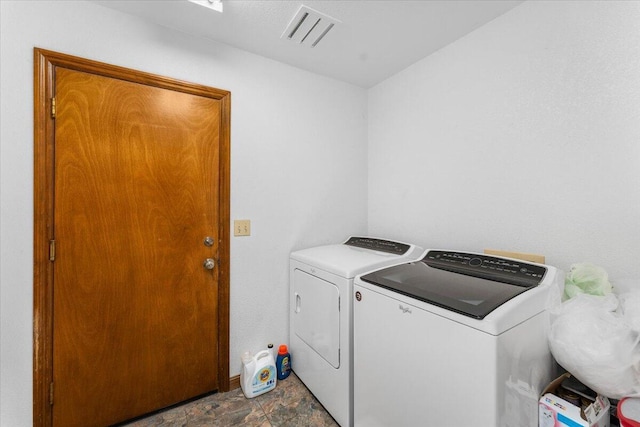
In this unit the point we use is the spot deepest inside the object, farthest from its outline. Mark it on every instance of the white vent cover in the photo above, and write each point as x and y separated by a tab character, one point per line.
308	27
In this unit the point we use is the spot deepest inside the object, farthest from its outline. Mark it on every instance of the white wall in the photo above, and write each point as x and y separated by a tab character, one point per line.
298	144
524	135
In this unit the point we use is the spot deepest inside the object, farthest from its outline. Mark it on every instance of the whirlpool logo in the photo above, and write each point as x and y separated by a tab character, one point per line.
404	309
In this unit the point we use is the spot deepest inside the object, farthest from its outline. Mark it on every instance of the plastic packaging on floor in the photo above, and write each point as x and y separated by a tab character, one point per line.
597	339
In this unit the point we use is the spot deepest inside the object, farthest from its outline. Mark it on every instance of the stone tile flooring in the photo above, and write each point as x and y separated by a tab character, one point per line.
290	404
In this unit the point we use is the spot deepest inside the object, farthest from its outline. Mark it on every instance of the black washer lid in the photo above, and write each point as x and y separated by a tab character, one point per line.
470	284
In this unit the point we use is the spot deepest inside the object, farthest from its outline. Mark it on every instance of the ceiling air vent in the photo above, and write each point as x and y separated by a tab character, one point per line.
308	27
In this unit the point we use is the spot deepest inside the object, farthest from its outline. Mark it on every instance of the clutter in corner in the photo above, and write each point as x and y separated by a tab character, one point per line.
594	335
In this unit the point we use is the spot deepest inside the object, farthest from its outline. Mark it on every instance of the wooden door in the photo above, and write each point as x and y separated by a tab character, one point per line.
137	188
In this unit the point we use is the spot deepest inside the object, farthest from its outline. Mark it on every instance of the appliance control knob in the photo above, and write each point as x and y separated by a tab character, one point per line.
475	262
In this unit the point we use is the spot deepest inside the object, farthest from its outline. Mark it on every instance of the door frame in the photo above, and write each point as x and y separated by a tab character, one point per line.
45	63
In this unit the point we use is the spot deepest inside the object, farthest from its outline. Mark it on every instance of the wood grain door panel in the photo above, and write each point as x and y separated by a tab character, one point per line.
135	195
136	185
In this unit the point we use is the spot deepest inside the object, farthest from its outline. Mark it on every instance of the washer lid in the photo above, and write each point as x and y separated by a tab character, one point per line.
348	260
469	284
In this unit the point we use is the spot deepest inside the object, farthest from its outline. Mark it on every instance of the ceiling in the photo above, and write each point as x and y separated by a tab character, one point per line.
371	41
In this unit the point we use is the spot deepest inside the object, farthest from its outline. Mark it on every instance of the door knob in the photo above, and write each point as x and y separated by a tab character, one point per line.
209	263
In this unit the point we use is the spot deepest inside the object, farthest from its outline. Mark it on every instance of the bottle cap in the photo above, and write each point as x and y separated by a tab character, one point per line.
282	349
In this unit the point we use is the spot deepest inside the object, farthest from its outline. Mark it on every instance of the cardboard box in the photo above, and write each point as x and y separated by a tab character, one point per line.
554	411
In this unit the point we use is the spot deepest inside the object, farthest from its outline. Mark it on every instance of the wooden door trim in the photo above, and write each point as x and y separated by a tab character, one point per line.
45	63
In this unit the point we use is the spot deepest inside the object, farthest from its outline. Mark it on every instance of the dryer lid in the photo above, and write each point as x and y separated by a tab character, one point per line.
356	256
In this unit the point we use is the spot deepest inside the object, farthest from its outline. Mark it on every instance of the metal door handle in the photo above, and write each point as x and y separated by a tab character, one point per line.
209	263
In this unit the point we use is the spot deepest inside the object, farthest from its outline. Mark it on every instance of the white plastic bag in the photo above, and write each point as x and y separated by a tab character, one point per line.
630	309
591	339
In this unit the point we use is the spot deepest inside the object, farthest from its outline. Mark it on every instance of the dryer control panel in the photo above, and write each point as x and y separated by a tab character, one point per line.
488	267
379	245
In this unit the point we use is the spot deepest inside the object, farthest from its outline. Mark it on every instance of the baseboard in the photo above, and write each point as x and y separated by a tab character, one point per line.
234	382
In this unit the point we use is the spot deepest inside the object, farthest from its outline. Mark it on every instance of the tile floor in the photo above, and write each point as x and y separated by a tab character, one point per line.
290	404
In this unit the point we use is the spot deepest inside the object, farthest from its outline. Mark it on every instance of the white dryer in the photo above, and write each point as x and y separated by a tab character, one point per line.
321	332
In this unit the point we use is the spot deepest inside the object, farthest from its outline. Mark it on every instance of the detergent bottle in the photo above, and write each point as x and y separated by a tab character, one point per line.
258	374
283	362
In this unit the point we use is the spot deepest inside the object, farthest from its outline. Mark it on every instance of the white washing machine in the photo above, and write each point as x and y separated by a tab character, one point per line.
321	334
455	339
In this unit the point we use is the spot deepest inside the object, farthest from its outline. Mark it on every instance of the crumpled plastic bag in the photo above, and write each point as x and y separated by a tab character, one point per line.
597	339
585	278
630	309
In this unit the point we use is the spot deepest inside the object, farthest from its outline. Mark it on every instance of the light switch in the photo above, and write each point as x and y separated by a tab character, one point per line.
242	227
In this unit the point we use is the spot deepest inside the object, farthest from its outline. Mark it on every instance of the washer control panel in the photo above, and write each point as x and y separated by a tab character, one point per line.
379	245
489	267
